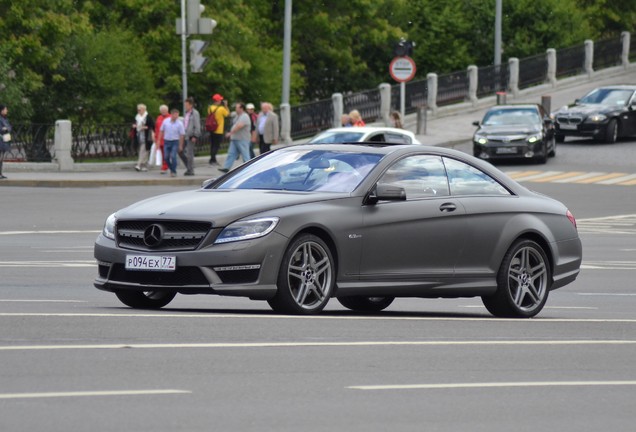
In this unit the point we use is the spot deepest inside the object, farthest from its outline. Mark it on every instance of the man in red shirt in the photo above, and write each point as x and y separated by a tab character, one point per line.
163	114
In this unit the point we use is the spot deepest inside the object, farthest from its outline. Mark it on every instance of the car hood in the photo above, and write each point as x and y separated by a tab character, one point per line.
586	110
503	130
220	207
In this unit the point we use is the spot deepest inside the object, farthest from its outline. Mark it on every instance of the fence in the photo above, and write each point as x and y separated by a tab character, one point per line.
570	61
452	88
309	118
491	79
533	70
416	95
32	142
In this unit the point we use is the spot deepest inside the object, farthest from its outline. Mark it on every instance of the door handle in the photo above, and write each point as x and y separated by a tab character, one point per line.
448	207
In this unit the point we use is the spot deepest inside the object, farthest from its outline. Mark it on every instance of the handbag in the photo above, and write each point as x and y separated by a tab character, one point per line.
6	137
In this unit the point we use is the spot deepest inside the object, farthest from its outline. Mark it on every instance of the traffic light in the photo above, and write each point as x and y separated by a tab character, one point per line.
196	24
197	60
403	48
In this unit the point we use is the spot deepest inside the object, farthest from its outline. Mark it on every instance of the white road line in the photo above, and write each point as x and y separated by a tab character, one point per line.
40	301
49	264
314	317
493	385
91	394
608	294
350	344
7	233
546	307
579	177
537	176
618	179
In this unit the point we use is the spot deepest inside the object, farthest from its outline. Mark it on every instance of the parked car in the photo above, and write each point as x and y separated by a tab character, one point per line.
604	114
362	223
365	134
515	132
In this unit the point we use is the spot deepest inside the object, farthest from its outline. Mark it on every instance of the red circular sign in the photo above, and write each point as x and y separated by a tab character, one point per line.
402	69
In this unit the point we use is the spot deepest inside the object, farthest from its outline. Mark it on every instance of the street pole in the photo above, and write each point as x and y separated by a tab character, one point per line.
402	99
184	61
498	8
287	52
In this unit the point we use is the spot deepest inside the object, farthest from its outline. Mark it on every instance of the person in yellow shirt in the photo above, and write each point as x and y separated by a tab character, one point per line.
220	110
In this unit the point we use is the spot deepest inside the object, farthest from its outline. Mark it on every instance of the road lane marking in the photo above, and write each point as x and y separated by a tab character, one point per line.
600	178
8	233
40	301
579	177
264	315
546	307
91	394
558	177
518	175
628	183
493	385
349	344
540	175
618	180
608	294
49	264
609	265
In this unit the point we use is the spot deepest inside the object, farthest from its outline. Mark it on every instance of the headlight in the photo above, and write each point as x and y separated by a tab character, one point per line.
534	138
109	227
481	139
596	118
247	229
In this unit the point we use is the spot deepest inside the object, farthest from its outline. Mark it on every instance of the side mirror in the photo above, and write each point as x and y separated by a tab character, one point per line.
476	123
386	192
207	183
576	101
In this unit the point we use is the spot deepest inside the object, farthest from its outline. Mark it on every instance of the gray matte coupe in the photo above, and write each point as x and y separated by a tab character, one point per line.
362	223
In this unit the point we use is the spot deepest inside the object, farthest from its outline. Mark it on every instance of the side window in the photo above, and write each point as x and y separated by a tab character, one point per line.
465	179
376	138
397	138
421	176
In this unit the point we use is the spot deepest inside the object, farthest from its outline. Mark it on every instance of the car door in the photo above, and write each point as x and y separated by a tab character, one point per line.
489	206
420	237
628	118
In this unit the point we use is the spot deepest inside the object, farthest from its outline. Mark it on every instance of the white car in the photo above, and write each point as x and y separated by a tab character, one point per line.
365	134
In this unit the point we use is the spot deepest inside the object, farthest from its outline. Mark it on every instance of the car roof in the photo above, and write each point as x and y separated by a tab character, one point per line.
369	129
515	106
617	87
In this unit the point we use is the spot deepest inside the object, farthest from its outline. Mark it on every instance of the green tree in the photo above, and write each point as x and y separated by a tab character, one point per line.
13	90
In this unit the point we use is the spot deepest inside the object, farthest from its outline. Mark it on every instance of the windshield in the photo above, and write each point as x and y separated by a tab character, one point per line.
337	137
607	97
506	117
305	170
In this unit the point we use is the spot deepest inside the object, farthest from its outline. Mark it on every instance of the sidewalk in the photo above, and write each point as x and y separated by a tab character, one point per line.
452	125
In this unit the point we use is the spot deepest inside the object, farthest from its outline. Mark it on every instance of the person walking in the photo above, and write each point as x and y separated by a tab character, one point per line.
220	111
172	134
268	127
253	134
239	137
143	128
5	136
356	118
396	120
164	113
192	124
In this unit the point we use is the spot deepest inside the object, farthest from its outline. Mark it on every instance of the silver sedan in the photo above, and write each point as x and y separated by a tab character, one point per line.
362	223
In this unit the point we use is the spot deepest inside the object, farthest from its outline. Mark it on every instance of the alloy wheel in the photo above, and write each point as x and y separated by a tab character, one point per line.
527	278
309	275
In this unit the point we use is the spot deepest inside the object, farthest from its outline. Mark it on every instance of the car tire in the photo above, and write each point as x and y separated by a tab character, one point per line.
306	278
366	304
611	133
523	282
145	299
552	153
559	138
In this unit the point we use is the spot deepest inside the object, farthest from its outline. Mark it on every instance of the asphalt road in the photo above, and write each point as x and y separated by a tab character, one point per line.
72	358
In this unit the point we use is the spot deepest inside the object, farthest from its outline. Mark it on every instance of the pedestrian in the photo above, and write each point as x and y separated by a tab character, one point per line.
253	134
5	136
192	124
345	120
172	134
239	137
268	128
164	113
356	118
396	120
144	128
220	111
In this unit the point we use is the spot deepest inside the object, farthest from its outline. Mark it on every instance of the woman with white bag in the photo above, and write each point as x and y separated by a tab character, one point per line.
5	136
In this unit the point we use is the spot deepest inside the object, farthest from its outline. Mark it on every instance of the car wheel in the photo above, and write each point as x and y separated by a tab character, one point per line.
559	138
523	282
306	278
611	133
145	299
552	153
366	304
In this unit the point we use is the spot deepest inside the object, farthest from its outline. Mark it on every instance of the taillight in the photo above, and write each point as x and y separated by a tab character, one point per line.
571	217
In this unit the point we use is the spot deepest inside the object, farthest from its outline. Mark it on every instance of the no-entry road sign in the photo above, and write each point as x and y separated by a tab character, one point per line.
402	69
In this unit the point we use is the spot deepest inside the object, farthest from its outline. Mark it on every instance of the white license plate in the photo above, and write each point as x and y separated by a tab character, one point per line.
151	263
567	126
506	150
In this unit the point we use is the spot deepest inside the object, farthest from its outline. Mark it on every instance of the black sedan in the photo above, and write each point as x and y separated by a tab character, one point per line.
515	132
604	114
362	223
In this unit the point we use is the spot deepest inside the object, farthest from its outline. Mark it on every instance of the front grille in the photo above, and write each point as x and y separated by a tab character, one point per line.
175	235
569	120
506	140
182	276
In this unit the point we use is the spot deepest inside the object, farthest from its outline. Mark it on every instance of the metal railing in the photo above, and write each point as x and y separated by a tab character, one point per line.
607	53
533	71
491	79
310	118
632	46
416	95
452	88
570	61
32	143
367	102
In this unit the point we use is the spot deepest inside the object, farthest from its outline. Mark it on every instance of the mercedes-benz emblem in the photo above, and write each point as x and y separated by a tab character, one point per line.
153	235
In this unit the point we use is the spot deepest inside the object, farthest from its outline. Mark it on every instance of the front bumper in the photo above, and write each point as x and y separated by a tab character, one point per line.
245	268
589	130
520	149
